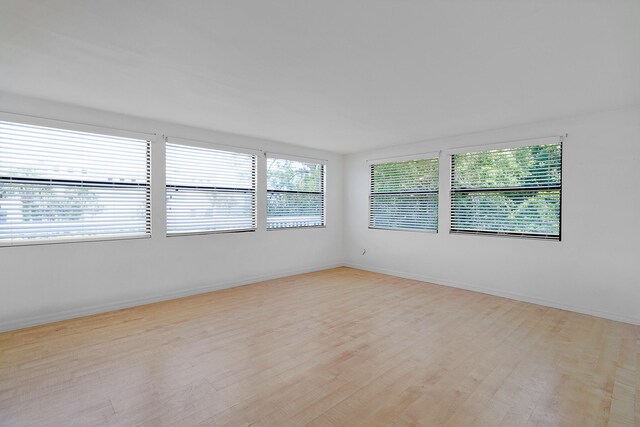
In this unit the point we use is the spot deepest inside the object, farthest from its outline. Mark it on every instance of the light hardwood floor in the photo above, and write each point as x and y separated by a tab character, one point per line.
337	347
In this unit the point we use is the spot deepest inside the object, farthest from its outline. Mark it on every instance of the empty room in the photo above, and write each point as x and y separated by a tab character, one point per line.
320	213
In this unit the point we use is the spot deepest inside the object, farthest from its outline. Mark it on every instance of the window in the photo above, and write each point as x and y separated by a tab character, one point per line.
404	195
295	194
508	192
209	190
59	184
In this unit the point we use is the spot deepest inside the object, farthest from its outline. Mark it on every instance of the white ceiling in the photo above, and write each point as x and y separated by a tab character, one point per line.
340	75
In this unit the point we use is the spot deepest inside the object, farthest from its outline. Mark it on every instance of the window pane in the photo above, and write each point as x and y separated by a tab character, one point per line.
411	176
294	210
39	152
62	184
295	194
533	166
195	166
529	212
405	211
293	175
209	190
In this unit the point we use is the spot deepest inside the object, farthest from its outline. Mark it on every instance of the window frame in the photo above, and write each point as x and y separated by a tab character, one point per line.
425	156
555	140
323	192
148	137
215	147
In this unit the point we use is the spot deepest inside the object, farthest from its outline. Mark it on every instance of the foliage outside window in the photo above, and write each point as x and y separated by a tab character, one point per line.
404	195
58	184
295	194
510	192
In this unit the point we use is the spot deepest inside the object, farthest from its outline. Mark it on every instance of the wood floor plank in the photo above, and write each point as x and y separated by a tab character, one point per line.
340	347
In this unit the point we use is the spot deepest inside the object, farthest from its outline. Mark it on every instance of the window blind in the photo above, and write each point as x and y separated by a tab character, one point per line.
59	184
404	195
209	190
509	191
295	194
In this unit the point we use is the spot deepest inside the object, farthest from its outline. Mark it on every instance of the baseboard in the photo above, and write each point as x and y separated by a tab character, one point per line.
103	308
499	293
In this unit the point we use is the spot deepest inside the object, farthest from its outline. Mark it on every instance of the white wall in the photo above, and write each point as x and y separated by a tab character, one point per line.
594	269
42	283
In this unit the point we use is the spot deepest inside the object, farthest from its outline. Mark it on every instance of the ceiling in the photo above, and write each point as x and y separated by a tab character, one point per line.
339	75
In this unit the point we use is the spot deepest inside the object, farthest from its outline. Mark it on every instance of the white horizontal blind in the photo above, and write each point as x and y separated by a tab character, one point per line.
404	195
295	194
509	191
209	190
58	184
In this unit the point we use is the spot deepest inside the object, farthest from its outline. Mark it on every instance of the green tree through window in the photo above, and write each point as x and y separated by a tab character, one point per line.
512	191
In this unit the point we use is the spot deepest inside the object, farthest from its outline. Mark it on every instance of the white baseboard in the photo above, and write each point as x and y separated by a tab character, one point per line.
500	293
103	308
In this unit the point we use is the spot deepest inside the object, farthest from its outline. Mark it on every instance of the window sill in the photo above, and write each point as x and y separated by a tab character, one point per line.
205	233
55	241
508	235
405	229
296	228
